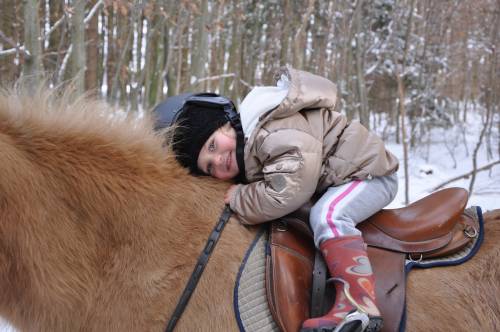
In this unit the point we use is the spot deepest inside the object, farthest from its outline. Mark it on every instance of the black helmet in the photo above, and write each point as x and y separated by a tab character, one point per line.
198	116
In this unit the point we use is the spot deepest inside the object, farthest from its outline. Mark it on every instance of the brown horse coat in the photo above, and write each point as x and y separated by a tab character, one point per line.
100	229
99	226
459	298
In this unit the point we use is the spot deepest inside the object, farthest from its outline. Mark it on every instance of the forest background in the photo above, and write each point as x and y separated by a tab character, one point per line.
407	69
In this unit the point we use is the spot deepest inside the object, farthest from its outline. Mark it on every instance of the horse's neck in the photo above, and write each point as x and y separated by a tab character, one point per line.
84	209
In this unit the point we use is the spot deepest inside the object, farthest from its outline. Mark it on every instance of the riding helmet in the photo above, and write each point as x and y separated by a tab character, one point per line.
197	116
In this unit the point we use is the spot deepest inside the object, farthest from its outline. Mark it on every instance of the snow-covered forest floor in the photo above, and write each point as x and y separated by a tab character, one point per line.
445	154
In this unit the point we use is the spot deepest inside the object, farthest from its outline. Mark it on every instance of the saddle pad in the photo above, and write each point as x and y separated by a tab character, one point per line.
250	301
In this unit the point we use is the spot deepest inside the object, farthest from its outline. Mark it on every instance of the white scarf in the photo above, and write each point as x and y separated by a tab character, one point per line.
260	100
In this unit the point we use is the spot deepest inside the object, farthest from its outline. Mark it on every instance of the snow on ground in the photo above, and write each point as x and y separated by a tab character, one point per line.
448	155
5	327
427	174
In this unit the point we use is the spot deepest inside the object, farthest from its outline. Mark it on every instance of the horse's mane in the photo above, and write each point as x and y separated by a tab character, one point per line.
48	111
79	147
88	194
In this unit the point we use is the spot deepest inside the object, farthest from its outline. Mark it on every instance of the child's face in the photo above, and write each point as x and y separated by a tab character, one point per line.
217	157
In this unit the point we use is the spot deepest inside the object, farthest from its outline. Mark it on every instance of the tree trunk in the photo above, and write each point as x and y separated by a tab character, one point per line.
56	41
93	54
174	41
32	68
286	31
252	33
112	49
364	116
154	56
270	48
125	31
221	46
138	61
402	109
300	37
348	70
234	54
323	18
77	69
215	31
182	54
9	26
201	47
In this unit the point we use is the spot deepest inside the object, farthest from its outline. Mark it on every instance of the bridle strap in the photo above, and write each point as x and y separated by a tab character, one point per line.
198	269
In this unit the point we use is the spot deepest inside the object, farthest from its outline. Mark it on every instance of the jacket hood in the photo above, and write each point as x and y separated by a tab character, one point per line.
306	90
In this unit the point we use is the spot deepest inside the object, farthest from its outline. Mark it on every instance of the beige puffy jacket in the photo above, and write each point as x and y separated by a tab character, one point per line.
302	147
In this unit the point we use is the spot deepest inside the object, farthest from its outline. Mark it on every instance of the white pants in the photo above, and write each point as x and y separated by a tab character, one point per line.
341	208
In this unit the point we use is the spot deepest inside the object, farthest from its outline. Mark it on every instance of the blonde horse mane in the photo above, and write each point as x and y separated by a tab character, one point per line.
91	206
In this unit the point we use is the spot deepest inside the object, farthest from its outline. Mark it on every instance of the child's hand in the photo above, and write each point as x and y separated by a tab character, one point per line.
229	193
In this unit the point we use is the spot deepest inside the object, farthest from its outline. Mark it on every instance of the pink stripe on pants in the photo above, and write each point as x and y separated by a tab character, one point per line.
331	208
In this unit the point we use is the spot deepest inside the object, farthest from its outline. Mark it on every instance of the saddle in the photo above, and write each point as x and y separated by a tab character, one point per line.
432	227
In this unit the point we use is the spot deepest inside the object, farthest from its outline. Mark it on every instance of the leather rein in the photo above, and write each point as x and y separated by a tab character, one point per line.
199	268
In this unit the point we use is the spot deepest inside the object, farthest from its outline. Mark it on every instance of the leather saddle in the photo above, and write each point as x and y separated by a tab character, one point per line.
432	227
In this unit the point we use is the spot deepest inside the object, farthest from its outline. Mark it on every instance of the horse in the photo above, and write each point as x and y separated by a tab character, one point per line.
100	229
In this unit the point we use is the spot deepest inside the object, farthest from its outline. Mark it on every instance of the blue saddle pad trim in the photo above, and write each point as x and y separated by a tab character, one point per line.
236	308
423	265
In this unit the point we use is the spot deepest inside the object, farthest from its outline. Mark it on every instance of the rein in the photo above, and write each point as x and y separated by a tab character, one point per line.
198	269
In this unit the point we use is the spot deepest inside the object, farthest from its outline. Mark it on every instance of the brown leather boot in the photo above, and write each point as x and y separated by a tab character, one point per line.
355	307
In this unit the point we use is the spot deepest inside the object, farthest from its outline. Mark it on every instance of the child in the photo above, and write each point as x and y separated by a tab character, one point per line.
290	145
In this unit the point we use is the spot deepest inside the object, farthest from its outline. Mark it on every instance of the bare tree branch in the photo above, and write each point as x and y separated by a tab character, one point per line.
54	27
464	176
11	51
64	64
15	47
93	11
216	77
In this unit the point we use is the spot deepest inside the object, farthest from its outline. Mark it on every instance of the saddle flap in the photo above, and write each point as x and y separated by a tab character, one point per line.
289	266
389	271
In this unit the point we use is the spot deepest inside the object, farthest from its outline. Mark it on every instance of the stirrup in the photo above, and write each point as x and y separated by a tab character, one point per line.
350	322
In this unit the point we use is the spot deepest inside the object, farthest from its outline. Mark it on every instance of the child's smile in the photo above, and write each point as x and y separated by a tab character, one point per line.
218	155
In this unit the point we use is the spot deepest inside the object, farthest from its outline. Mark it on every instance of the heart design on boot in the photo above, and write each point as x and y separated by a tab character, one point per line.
363	267
367	286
